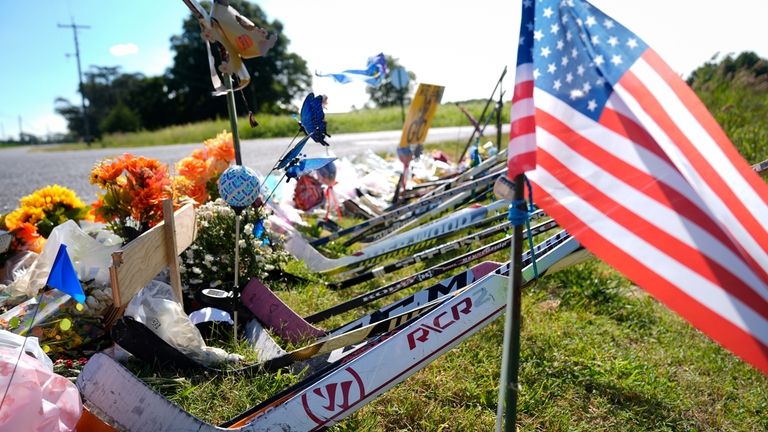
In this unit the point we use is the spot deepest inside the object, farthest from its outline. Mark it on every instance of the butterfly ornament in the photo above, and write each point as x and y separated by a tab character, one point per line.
239	37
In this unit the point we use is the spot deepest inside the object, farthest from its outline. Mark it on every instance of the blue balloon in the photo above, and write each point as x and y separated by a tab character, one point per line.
239	186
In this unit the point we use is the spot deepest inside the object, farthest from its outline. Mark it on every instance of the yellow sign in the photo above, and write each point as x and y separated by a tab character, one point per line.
420	114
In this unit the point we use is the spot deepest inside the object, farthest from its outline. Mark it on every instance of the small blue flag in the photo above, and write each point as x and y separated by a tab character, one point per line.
63	276
373	74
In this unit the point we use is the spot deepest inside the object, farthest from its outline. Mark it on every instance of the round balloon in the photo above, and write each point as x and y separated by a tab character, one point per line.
327	173
239	186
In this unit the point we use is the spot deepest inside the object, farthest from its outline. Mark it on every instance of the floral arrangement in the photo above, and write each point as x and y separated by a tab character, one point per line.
134	189
199	172
209	261
37	215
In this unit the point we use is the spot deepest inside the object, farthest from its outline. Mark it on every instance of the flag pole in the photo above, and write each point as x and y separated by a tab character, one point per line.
232	111
510	359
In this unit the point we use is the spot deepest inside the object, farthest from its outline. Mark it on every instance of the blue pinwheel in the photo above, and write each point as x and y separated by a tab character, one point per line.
313	118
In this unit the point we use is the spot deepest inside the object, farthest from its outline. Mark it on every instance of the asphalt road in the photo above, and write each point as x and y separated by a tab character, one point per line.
25	169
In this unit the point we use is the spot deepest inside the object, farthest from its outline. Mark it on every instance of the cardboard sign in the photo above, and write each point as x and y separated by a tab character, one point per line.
420	114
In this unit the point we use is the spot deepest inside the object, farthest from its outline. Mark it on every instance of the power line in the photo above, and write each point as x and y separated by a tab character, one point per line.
86	123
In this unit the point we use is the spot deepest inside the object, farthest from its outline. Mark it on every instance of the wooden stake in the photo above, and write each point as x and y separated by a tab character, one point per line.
171	251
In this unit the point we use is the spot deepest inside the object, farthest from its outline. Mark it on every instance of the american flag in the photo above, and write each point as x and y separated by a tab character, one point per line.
632	164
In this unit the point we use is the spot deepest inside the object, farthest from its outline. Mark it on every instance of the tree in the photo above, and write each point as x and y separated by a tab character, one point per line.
106	87
276	79
735	91
120	119
387	94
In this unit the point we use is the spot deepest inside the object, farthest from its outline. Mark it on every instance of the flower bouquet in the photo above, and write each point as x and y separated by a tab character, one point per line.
209	261
134	189
39	212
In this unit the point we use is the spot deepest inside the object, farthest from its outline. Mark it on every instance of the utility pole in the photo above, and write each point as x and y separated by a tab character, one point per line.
87	125
20	131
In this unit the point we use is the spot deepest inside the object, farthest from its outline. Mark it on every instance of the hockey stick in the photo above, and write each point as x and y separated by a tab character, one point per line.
409	281
399	212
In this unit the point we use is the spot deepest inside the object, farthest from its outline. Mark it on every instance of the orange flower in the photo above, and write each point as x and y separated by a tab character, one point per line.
27	234
221	147
107	171
95	213
184	187
191	168
199	154
136	191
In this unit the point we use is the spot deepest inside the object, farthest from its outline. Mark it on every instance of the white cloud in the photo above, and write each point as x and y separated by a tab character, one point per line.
121	50
43	124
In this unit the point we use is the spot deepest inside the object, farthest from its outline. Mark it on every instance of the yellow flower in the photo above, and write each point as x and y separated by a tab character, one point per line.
46	198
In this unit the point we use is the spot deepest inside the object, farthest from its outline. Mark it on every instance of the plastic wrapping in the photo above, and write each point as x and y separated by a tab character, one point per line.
90	258
156	308
61	324
17	265
38	399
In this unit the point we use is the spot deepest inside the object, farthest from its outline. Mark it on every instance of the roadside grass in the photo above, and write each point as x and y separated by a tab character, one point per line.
272	126
597	354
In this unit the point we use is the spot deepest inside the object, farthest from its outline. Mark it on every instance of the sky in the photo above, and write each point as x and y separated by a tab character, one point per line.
462	45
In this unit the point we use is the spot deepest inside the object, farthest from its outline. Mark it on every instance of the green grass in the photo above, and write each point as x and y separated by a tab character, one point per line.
270	126
598	354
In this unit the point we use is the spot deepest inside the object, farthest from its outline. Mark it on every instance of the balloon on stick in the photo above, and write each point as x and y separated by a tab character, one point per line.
239	187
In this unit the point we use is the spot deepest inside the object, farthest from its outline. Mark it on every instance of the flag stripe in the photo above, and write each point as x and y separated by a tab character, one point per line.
649	168
674	237
521	150
717	326
705	119
621	110
624	125
707	151
525	125
686	281
614	163
521	109
633	189
711	187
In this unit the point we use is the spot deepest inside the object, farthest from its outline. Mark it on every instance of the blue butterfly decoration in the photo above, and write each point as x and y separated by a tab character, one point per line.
294	153
313	118
305	166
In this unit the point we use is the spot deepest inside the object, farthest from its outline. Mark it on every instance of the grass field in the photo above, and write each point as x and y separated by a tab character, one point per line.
270	126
